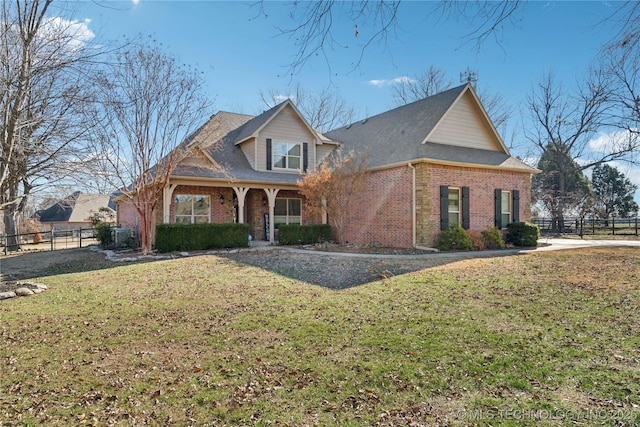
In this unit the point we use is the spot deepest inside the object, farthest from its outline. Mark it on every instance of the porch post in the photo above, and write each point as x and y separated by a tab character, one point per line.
167	194
271	196
241	193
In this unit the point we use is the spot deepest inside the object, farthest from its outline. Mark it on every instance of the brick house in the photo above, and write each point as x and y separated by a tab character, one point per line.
433	162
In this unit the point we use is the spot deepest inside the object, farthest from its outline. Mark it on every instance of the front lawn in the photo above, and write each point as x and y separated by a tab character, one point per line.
549	338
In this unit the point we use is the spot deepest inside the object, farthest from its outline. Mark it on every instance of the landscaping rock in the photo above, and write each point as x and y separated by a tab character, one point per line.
6	295
24	292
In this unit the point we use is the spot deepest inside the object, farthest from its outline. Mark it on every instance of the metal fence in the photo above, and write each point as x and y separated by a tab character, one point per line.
51	240
590	226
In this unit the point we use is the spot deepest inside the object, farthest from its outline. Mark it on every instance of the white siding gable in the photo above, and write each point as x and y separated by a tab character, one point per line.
286	126
465	125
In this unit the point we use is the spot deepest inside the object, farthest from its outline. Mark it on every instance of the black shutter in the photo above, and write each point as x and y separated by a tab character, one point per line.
466	223
444	207
268	154
516	206
305	156
497	202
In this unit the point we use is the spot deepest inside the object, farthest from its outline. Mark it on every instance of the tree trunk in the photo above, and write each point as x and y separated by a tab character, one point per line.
11	228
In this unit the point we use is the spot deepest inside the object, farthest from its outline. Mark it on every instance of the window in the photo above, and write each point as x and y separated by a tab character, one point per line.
287	211
505	214
192	209
286	155
454	206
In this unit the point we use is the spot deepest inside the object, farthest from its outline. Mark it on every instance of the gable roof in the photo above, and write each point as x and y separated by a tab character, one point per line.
78	207
256	124
402	134
221	135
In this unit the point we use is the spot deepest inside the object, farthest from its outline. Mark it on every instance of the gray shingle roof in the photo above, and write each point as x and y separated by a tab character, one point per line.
78	207
396	136
228	128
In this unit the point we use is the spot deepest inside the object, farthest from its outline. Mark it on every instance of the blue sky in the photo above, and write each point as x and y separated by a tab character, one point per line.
241	51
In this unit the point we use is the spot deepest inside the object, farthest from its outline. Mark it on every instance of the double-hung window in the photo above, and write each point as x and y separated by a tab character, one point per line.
287	211
505	214
191	209
454	206
286	155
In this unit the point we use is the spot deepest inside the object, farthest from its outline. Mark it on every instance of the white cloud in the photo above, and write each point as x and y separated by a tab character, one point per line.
608	141
135	2
74	34
390	82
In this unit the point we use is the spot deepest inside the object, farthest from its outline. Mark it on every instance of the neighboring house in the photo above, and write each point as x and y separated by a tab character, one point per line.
434	162
75	211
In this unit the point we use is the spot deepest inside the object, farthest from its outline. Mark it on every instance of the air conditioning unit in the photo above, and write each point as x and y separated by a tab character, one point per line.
122	236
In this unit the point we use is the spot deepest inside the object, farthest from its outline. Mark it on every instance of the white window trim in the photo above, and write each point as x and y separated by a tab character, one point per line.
502	207
286	156
193	216
287	216
459	211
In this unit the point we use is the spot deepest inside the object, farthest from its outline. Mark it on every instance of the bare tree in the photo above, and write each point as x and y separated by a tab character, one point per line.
563	126
324	110
42	73
422	85
147	104
435	80
332	188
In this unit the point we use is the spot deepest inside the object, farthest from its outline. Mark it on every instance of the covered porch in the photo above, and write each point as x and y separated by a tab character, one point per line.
263	207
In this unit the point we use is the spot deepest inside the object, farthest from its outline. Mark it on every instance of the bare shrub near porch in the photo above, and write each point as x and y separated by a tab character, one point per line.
333	188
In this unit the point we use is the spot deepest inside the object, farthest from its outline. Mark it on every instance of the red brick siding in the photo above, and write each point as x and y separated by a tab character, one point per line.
220	212
382	213
127	215
482	184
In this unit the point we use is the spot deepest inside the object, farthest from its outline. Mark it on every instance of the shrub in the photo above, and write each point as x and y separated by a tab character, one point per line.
492	238
454	238
477	240
104	234
195	237
102	229
523	234
294	234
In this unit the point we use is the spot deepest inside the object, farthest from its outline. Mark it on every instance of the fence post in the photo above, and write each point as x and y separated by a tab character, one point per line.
613	225
636	225
80	237
52	237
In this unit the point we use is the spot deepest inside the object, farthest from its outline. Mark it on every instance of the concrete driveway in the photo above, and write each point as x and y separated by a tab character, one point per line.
550	244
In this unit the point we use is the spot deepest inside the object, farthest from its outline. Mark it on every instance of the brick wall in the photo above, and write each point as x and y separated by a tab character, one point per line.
482	184
382	214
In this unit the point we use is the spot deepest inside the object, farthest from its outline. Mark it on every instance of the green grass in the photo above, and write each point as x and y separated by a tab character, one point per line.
542	339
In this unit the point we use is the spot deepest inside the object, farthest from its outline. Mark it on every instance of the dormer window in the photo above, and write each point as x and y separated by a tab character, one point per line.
286	155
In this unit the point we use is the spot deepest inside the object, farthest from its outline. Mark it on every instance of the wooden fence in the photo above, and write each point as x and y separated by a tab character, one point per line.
590	226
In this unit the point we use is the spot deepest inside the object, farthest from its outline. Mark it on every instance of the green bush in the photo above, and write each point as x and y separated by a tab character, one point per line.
197	237
294	234
493	238
455	238
104	235
522	234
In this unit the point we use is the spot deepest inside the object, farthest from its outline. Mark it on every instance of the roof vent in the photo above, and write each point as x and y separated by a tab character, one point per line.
348	126
364	121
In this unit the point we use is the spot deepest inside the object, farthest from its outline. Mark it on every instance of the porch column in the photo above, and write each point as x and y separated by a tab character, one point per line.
241	193
271	196
167	195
